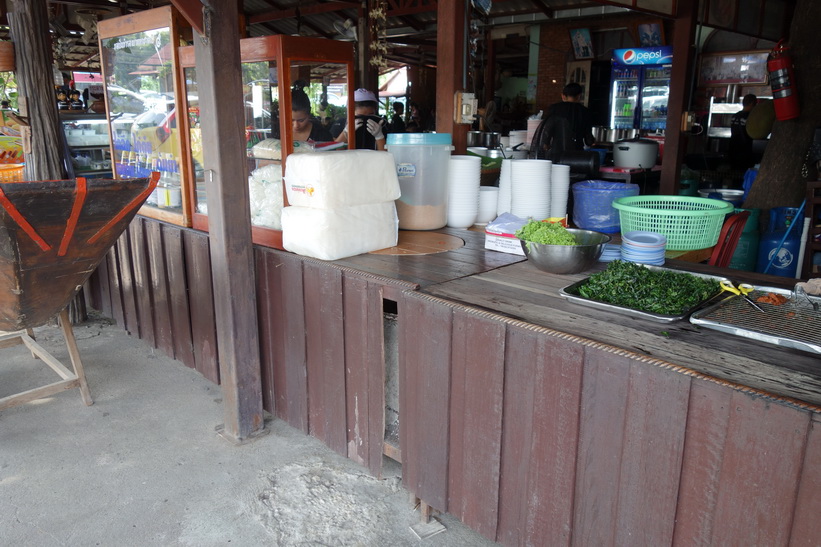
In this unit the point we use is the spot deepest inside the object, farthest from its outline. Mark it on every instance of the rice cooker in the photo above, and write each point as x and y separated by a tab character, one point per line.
637	153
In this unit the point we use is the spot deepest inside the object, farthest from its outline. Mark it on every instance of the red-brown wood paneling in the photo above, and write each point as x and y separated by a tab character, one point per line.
477	387
268	337
142	280
654	431
178	294
543	379
325	343
742	462
132	322
288	323
806	529
201	303
605	388
116	290
159	288
759	472
357	367
424	397
376	378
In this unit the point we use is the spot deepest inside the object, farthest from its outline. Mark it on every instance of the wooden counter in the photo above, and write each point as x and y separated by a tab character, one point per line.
523	292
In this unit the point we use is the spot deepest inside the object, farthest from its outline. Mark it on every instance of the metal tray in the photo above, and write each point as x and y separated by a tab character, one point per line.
794	324
568	293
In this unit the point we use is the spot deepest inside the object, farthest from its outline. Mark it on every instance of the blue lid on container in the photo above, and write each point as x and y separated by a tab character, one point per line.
419	138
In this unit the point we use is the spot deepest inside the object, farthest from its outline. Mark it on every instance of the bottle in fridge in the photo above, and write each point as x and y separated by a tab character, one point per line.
640	88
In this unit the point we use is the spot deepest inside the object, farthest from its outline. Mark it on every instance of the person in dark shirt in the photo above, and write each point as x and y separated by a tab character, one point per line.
579	120
368	130
741	144
397	124
305	126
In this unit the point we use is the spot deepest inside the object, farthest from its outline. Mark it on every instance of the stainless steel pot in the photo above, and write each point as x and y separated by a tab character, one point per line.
491	139
611	136
474	138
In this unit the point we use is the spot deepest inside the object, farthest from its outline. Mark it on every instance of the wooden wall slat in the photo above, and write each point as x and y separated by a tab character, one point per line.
357	366
605	387
104	281
806	528
542	378
266	295
159	288
376	378
142	281
424	395
709	415
477	388
290	368
132	322
654	433
326	354
178	294
759	472
201	303
116	289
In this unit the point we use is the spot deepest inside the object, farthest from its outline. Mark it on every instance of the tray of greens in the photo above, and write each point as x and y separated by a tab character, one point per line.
651	292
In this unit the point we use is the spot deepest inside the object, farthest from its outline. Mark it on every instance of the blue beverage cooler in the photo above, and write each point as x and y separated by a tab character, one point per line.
640	87
784	258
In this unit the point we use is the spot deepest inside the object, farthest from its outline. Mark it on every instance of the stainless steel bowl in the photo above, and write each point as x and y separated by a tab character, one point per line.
567	259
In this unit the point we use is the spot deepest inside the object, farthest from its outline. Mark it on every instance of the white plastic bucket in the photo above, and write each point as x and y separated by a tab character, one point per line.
422	168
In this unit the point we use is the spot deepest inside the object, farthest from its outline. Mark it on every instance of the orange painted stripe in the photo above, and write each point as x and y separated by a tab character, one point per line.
136	202
80	192
21	221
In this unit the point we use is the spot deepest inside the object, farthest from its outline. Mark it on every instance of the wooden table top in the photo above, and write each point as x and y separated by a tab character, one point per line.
522	292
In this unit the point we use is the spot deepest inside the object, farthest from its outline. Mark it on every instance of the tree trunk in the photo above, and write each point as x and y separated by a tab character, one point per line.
28	26
780	182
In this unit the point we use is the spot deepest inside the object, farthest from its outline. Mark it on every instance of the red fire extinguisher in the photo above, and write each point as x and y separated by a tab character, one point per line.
782	82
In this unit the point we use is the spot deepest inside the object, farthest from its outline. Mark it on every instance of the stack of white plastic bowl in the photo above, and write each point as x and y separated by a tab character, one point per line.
530	188
643	247
559	189
464	176
503	203
488	202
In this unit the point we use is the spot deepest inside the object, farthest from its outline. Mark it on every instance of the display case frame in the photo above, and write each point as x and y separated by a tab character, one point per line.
283	50
146	21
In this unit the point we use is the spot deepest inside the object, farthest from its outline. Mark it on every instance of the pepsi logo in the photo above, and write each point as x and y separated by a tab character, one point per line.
629	57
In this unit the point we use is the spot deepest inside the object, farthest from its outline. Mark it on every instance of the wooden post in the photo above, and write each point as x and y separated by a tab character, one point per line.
232	259
450	49
28	27
675	142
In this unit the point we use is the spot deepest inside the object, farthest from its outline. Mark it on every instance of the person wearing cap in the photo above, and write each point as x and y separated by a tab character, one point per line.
368	133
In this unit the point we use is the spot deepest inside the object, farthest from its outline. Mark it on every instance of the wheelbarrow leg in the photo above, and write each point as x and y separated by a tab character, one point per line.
74	354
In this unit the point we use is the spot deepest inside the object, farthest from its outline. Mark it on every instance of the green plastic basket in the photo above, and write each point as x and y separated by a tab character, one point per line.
688	223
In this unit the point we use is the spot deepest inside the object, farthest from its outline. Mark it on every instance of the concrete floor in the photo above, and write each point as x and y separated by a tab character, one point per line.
143	466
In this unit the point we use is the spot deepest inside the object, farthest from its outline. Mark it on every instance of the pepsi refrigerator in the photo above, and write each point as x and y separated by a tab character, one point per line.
640	86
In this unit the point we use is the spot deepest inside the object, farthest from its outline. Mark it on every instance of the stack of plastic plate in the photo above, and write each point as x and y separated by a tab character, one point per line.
610	253
644	247
464	175
530	188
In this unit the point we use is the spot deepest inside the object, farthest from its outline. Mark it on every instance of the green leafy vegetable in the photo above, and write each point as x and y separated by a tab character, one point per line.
547	233
636	287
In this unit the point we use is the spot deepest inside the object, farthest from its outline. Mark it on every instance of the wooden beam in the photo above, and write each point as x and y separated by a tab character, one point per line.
192	11
450	40
306	10
675	142
232	260
544	8
397	9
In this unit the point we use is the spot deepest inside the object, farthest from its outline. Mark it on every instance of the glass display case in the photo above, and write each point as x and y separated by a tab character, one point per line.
271	66
139	66
88	144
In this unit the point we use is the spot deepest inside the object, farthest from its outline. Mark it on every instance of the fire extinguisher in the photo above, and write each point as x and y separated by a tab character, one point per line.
782	82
